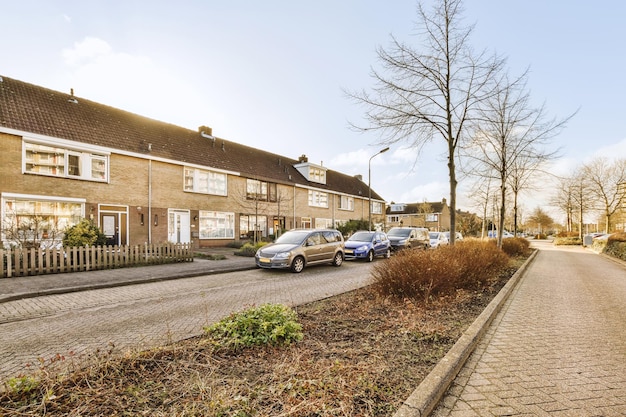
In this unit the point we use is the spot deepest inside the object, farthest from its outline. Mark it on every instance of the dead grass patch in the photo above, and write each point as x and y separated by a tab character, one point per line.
362	355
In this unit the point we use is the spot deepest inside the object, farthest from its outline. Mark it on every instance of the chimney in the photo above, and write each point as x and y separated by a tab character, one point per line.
359	177
303	158
72	99
206	132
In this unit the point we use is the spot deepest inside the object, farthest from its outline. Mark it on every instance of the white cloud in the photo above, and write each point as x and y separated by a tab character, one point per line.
615	151
132	82
433	191
359	158
88	51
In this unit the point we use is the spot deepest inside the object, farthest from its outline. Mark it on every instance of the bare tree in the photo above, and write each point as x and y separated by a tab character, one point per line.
581	197
605	178
520	178
481	194
432	91
257	198
32	231
510	139
541	220
564	200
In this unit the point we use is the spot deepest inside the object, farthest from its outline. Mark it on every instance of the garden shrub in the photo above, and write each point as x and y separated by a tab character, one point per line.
616	245
249	249
599	245
269	324
567	234
563	241
422	274
85	233
516	246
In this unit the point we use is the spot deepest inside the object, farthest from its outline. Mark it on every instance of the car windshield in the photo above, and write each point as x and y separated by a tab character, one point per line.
399	232
433	235
362	237
292	238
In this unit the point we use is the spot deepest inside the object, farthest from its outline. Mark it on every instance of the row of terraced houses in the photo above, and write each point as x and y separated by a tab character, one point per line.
64	158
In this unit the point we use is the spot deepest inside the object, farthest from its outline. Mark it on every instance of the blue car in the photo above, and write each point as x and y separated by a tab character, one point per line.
367	245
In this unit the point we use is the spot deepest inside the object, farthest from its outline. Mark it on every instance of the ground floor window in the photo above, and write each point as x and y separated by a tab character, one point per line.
249	223
305	222
33	221
216	225
323	223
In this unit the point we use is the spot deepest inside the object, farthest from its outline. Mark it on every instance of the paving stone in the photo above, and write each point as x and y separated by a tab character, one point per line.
557	347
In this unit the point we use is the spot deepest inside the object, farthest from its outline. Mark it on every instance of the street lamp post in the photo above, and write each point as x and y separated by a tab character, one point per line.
369	185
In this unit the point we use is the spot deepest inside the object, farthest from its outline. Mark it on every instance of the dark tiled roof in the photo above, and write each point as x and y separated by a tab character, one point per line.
30	108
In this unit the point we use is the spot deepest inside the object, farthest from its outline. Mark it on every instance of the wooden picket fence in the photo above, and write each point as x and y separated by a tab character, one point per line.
19	262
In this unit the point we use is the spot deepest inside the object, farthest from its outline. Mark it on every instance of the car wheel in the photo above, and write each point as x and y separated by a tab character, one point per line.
338	259
370	256
388	253
297	265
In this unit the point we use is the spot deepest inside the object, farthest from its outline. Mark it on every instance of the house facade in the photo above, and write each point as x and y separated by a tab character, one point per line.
433	215
64	158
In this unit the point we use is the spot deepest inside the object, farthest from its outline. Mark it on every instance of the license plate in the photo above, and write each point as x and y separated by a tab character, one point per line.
349	251
265	260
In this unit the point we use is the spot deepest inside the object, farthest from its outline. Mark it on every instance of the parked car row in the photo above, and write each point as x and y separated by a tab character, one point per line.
298	248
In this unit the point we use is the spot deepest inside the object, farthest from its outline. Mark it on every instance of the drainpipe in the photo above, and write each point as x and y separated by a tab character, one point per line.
150	201
294	205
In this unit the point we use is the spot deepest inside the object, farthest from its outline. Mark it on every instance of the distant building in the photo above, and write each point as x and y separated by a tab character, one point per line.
433	215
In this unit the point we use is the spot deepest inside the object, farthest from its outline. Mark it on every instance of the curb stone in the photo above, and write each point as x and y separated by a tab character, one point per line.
430	391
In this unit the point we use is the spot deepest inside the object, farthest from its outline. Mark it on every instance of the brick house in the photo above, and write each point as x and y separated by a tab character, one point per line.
433	215
64	158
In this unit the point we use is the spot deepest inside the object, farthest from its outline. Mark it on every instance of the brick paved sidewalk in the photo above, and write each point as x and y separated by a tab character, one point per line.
557	348
38	285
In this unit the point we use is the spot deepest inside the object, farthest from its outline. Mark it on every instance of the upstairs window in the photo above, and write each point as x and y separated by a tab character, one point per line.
260	190
318	199
205	182
346	203
312	172
68	163
397	207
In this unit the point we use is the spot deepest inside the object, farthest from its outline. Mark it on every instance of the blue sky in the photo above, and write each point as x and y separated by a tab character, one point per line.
272	74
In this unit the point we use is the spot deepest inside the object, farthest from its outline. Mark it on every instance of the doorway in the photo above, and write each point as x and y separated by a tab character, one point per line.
114	224
179	226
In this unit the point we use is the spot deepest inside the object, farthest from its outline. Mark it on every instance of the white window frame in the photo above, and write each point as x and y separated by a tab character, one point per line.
59	165
346	203
321	223
318	199
377	207
56	211
216	225
216	182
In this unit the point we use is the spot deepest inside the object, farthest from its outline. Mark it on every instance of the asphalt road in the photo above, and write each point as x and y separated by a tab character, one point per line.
75	325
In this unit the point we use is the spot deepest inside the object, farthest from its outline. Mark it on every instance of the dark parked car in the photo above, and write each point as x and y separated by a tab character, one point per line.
366	245
408	237
298	248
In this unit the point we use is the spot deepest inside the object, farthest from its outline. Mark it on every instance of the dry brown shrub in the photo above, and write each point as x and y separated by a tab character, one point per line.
617	237
423	274
516	246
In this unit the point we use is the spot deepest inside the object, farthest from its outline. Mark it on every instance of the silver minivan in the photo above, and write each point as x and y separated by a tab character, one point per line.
408	237
298	248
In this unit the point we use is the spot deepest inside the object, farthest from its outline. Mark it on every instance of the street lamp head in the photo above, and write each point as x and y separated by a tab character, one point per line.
369	186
